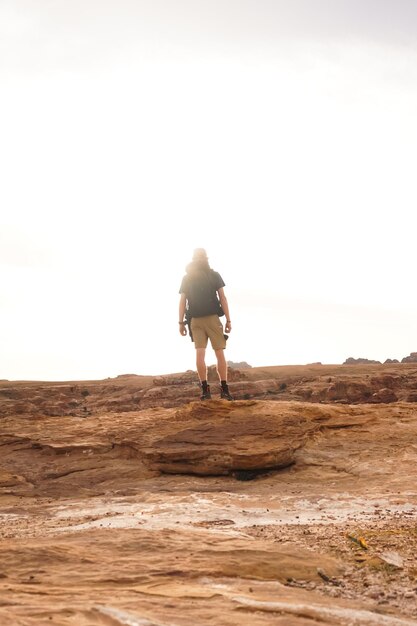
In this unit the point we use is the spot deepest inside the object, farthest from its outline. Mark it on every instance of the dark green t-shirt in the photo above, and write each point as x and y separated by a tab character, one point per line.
200	289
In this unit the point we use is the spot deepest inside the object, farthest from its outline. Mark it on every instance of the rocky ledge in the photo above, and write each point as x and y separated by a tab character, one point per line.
343	384
256	512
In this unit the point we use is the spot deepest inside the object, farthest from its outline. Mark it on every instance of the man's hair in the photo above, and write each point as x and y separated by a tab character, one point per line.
199	263
199	253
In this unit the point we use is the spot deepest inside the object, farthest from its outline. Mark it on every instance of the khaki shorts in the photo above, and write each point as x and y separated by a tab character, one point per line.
208	327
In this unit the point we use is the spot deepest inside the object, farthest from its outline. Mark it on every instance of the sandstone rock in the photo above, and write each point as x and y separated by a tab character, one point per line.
234	374
163	573
360	361
344	385
240	365
389	381
247	390
186	378
412	358
218	438
384	395
347	391
160	381
94	532
7	479
128	376
211	438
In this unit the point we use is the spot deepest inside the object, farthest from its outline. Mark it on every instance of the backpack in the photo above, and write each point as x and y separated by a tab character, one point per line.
202	297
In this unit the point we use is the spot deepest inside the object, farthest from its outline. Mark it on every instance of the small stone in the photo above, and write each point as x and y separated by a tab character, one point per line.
392	558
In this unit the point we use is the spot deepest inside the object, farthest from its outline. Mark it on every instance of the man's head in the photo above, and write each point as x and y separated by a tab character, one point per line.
200	254
199	262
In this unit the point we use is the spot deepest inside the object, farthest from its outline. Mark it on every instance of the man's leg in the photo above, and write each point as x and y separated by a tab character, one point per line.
202	373
201	363
221	365
222	372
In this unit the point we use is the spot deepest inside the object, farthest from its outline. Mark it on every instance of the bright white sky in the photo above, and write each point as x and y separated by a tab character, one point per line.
281	136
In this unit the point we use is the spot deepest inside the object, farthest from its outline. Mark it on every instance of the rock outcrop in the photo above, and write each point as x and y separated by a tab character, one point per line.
273	511
360	361
241	365
219	437
339	384
212	438
412	358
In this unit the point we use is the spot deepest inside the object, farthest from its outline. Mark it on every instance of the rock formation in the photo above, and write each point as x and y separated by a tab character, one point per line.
126	501
241	365
412	358
351	361
304	383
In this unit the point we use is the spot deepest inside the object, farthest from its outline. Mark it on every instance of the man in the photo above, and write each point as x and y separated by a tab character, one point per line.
202	303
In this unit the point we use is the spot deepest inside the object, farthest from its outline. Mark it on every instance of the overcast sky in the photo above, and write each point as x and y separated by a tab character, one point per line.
279	135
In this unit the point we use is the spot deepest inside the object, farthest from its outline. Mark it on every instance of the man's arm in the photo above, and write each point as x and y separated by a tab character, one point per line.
181	314
225	307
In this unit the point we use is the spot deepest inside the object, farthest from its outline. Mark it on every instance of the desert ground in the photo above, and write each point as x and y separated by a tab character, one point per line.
127	501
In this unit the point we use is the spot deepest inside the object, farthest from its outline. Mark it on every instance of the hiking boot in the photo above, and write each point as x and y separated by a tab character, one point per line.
225	395
206	395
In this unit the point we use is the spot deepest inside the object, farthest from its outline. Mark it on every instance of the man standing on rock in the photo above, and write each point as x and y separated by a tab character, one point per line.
202	303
